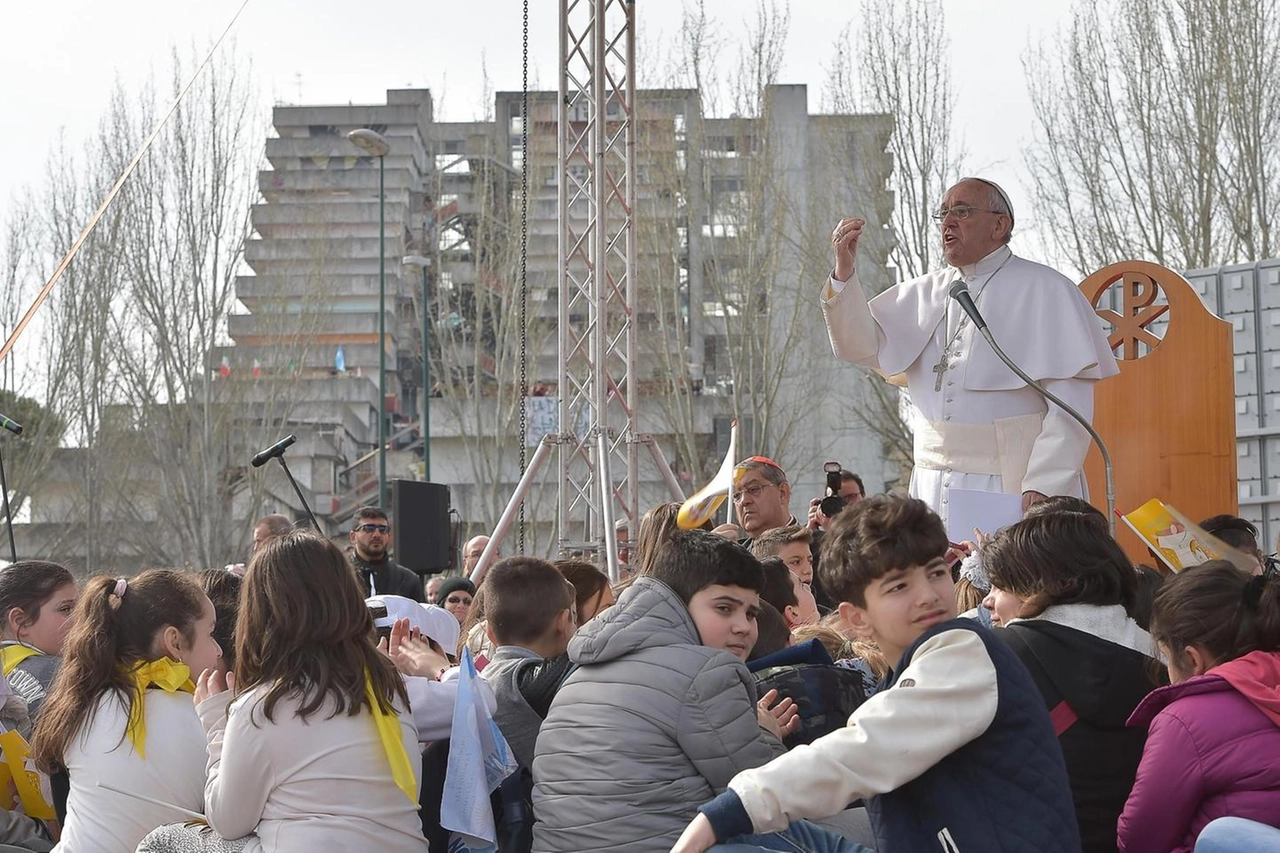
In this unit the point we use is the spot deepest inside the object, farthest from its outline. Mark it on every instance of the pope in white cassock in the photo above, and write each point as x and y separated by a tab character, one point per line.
980	426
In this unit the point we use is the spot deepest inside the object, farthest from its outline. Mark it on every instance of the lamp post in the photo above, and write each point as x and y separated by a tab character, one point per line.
373	143
422	263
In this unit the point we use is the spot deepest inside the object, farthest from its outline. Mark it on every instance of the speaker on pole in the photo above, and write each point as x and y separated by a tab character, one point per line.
420	525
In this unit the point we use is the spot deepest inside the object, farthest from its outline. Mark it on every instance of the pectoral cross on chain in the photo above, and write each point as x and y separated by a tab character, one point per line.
940	368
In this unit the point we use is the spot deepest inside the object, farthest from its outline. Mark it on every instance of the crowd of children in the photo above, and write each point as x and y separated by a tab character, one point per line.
711	702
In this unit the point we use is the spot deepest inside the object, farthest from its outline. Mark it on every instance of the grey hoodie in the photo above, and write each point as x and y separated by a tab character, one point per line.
650	726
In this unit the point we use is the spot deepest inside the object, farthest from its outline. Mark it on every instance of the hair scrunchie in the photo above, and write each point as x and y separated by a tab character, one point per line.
122	585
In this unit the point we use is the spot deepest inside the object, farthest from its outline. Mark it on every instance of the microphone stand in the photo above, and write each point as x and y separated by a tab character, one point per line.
298	492
8	515
1048	395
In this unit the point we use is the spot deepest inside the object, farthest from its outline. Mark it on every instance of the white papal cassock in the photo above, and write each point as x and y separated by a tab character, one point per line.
979	426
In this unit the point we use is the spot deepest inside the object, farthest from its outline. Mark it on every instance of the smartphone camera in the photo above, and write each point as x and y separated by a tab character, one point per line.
379	614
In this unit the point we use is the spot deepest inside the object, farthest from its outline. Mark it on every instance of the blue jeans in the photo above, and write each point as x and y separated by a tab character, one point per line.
800	837
1237	835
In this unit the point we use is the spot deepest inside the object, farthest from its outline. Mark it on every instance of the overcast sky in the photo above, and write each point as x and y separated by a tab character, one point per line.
59	60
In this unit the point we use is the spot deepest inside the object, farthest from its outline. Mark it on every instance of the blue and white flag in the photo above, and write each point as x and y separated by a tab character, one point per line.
479	759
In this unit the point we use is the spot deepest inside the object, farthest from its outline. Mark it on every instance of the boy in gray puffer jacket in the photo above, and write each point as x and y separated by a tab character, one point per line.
661	712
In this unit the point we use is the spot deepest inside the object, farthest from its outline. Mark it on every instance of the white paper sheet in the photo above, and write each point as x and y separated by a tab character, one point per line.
987	511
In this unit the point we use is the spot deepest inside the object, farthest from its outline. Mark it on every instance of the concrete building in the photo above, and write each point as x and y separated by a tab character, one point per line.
1248	296
732	217
311	319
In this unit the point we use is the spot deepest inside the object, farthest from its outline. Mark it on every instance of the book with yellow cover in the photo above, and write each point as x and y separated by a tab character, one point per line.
1177	541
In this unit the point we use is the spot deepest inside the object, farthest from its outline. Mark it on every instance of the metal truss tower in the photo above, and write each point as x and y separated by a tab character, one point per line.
599	439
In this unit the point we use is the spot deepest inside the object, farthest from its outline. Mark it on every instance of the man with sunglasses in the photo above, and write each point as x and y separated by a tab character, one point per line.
978	426
378	573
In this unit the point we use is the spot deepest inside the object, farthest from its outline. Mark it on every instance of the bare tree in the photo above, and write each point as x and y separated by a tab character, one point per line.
688	59
476	336
1250	174
80	381
186	222
134	329
893	63
24	371
1156	132
760	55
730	232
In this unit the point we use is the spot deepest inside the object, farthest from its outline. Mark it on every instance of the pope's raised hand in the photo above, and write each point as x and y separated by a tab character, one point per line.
844	239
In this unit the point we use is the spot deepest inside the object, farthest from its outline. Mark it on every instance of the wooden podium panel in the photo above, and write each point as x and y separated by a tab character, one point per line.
1169	417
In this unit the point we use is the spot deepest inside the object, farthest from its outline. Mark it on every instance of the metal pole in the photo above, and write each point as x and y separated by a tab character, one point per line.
8	514
301	498
599	250
566	393
382	335
631	291
426	381
605	479
668	476
513	506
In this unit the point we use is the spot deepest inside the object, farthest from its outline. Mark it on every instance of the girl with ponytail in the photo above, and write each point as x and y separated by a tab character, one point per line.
1213	747
120	710
311	745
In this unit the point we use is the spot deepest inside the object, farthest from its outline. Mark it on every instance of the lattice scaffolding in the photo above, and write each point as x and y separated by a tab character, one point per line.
598	451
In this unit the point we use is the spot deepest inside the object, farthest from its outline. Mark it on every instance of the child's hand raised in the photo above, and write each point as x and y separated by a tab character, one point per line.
415	655
781	719
211	682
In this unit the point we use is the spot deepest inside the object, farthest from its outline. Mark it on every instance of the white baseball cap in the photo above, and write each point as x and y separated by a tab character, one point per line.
434	622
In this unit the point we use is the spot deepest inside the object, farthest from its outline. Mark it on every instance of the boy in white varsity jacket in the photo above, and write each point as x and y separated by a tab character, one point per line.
955	754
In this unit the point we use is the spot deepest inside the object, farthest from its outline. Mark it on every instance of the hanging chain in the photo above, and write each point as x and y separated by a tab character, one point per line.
524	251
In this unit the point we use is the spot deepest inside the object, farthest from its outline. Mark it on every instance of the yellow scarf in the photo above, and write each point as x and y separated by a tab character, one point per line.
393	744
168	675
14	654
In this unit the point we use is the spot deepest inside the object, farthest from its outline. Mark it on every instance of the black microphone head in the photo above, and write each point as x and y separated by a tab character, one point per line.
263	457
957	287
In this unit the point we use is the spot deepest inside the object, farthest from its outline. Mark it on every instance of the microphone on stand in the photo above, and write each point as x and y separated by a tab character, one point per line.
15	428
276	451
959	291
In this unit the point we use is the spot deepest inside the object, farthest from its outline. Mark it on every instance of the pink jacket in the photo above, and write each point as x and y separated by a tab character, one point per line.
1213	750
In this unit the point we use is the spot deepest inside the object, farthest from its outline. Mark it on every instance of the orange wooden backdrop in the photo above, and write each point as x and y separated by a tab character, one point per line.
1169	417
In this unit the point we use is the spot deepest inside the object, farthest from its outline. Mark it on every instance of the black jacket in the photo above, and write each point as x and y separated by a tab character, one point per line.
1090	687
389	578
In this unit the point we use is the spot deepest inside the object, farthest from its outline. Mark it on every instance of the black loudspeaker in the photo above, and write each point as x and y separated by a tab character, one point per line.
420	525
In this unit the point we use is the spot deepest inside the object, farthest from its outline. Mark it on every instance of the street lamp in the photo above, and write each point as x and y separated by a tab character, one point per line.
422	263
373	143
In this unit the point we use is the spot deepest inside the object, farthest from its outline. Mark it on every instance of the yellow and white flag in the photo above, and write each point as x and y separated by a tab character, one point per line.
699	509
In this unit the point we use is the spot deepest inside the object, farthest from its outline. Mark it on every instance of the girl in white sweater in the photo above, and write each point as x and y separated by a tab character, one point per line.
311	746
120	710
